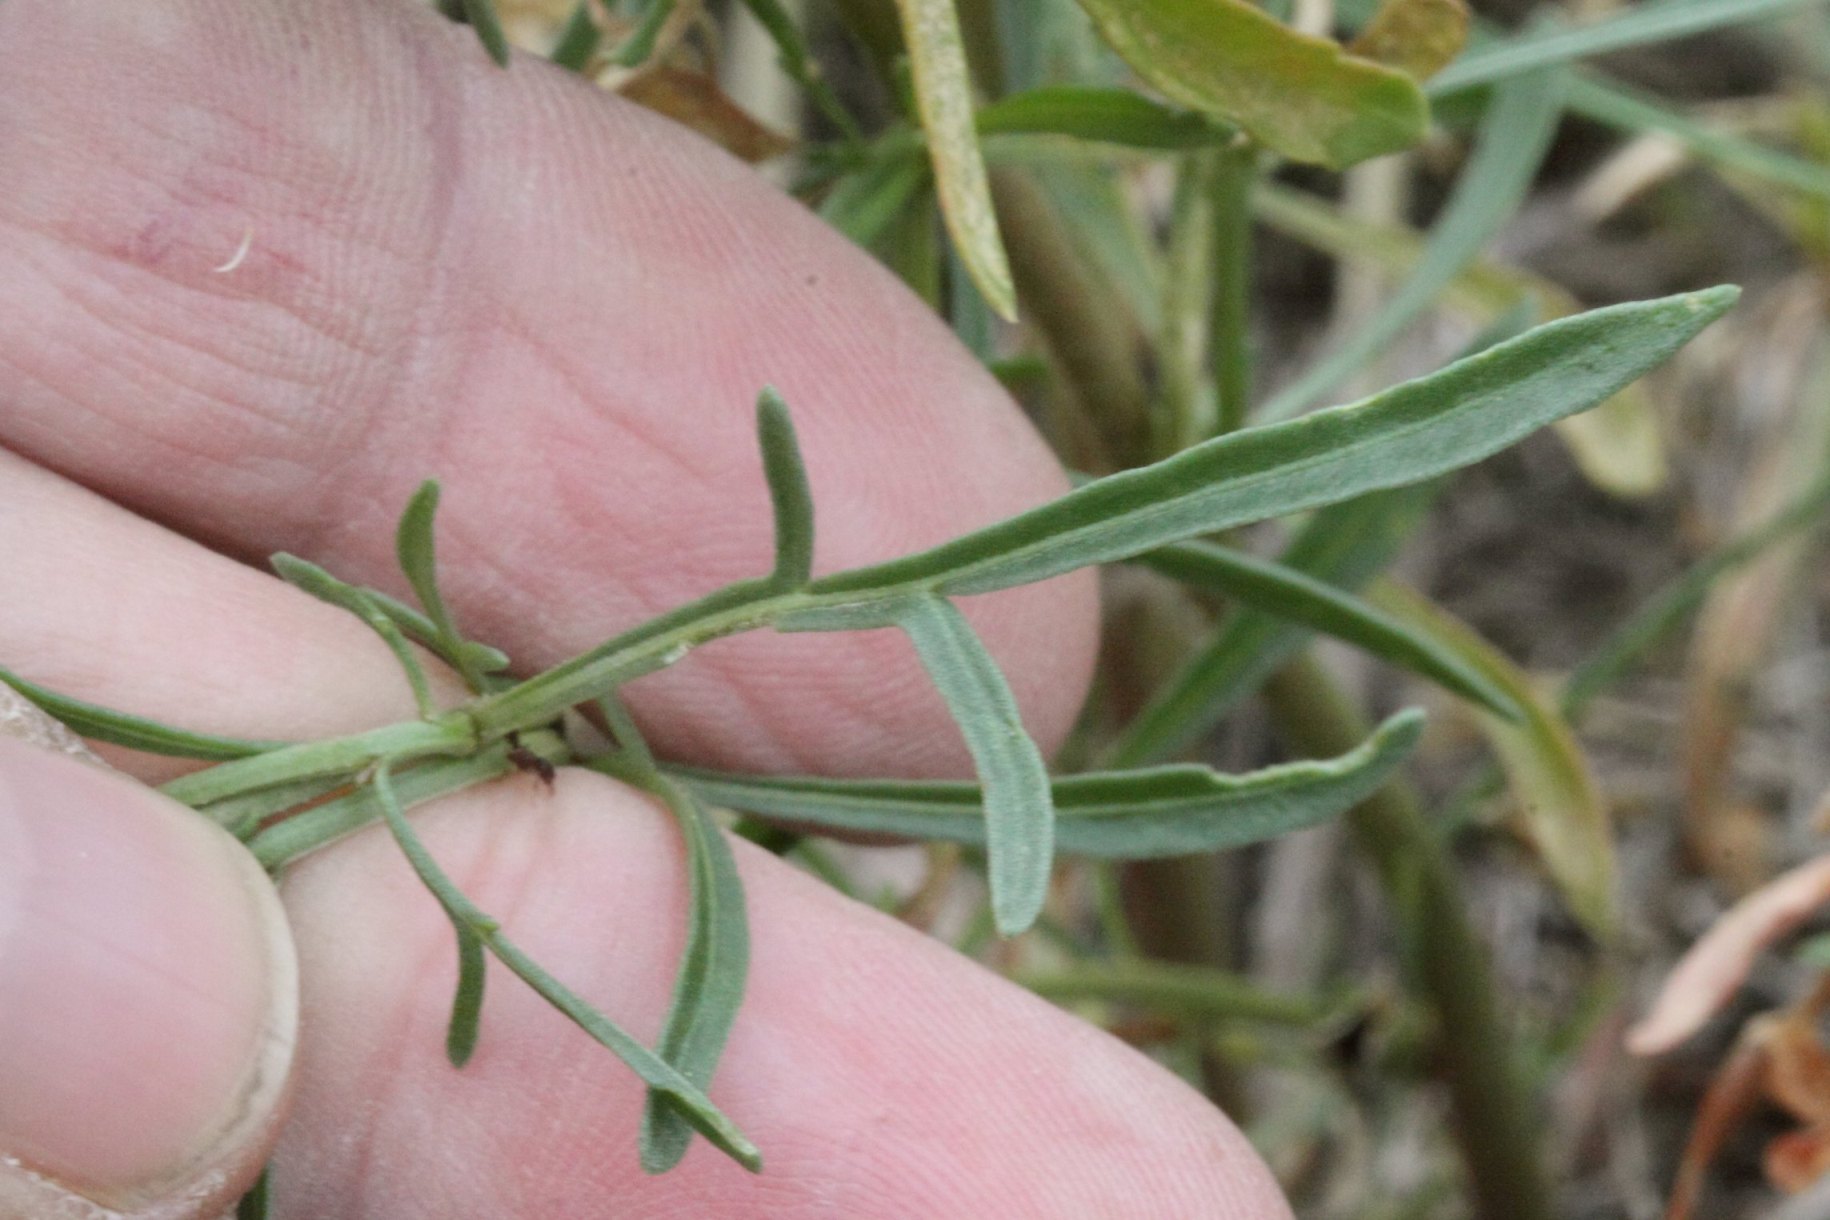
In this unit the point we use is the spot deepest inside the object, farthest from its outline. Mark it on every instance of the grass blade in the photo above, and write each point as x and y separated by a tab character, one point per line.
1636	26
1513	141
943	94
135	732
1019	812
789	493
1406	434
799	64
1118	815
713	970
1291	595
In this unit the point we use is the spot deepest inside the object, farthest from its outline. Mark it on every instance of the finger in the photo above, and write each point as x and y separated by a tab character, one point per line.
148	1001
559	304
881	1074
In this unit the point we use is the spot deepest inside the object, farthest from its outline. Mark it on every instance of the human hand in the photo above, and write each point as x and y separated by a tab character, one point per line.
563	308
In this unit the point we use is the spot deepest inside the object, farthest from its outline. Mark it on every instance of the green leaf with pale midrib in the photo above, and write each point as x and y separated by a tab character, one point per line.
1019	812
135	732
710	986
1161	811
1406	434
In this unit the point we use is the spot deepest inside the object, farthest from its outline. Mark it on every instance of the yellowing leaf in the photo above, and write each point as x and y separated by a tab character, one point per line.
1300	96
1560	810
1418	37
943	93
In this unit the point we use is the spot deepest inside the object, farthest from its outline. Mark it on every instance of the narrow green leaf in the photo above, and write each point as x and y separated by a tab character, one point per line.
1286	593
800	65
713	970
481	14
1111	116
1514	137
1194	993
1297	95
1593	96
1560	811
1342	546
1018	810
291	763
1634	26
635	50
1119	815
789	493
418	554
243	815
312	579
691	1101
1412	432
467	1001
253	1205
578	40
135	732
864	202
943	95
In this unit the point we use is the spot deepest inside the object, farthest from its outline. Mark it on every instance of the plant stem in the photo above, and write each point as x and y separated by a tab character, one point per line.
1096	346
1495	1120
1234	172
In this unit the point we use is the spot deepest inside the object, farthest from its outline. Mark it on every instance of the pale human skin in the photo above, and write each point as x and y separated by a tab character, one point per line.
563	308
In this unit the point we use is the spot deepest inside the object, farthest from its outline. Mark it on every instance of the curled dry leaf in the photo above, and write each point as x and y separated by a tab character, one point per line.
1717	964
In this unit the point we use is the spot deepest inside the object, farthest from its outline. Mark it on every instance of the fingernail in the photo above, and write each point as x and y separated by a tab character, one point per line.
148	995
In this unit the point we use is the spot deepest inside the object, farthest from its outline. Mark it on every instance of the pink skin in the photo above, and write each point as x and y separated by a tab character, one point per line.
515	284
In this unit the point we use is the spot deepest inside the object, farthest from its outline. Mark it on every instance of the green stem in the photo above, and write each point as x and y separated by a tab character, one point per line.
1496	1121
1234	173
1192	992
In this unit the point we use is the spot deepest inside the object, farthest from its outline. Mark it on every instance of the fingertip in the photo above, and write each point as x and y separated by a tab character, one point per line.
148	998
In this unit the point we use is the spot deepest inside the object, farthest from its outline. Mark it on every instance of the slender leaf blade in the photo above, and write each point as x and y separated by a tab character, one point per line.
713	971
943	95
417	552
1407	434
789	493
481	14
1019	810
467	1001
1120	815
1289	594
136	732
1297	95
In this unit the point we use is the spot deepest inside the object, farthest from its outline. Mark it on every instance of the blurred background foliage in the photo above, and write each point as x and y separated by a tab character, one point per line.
1159	220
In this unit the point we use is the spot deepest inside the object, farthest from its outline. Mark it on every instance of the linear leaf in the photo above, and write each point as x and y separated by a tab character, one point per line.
312	579
1560	811
1194	993
705	1117
865	201
1120	815
418	555
1286	593
1513	139
135	732
943	95
789	493
636	49
1629	27
713	969
1111	116
481	14
1297	95
1018	810
467	1001
1412	432
799	63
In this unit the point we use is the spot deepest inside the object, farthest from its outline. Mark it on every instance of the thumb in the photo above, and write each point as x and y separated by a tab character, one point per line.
148	994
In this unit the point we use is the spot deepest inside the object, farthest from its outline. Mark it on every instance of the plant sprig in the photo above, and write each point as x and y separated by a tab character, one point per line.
1403	436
